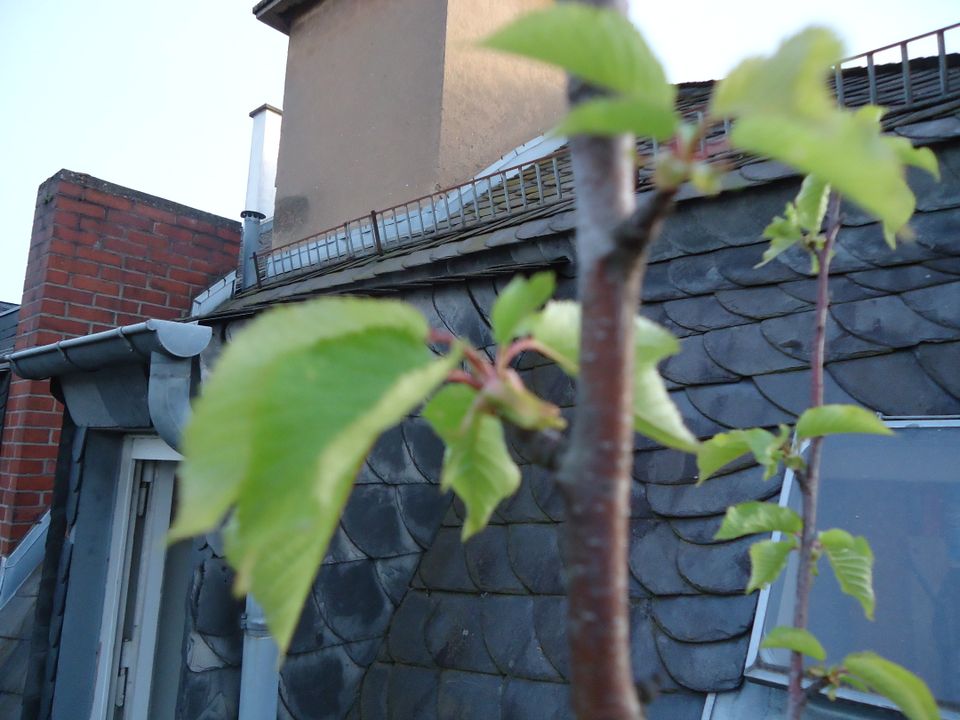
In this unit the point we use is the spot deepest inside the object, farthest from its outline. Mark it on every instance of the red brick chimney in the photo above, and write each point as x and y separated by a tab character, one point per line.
101	256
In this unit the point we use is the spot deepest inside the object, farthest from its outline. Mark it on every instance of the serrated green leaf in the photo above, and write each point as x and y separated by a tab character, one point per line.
476	463
614	116
519	300
724	448
839	419
922	158
750	518
309	411
768	558
600	46
785	112
907	691
796	639
852	561
557	328
811	203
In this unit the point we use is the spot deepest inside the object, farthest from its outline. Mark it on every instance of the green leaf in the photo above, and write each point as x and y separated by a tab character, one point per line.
768	558
839	419
613	116
852	563
557	329
724	448
811	203
600	46
758	517
308	410
922	158
476	464
796	639
520	298
783	233
785	112
896	683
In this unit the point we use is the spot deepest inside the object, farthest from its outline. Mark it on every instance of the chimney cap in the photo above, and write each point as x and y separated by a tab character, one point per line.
279	13
264	107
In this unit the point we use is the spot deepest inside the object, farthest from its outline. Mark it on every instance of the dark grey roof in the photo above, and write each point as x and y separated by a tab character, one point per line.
16	626
9	316
414	623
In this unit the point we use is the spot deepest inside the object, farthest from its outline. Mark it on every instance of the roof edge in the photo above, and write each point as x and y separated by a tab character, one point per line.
278	14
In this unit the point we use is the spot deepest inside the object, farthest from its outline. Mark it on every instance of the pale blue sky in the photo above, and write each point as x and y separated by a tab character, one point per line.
155	95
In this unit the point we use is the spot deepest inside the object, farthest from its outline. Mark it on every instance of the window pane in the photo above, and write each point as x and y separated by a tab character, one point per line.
903	494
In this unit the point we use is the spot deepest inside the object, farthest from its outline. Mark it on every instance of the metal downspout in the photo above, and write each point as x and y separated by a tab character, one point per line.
259	673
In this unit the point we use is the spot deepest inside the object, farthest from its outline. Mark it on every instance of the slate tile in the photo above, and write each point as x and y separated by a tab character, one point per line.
760	302
949	265
940	304
546	492
395	574
552	384
667	467
798	260
898	279
702	314
488	561
867	243
424	447
941	362
653	561
550	626
373	693
697	530
705	618
342	549
737	405
694	366
454	634
690	229
216	611
658	285
893	384
932	194
373	523
535	558
737	265
696	422
507	630
406	640
308	699
723	568
444	565
888	321
841	290
522	506
422	508
366	476
704	667
483	292
412	693
745	351
700	274
527	699
644	661
352	600
469	696
793	335
312	631
212	694
937	231
390	460
791	390
737	218
639	505
676	706
714	496
460	315
364	652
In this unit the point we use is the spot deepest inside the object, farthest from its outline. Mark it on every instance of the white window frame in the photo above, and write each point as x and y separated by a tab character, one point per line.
753	669
137	450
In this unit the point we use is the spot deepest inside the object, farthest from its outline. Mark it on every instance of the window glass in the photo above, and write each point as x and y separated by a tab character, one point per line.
903	494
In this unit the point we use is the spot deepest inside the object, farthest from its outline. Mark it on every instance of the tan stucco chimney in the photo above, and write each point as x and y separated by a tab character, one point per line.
387	100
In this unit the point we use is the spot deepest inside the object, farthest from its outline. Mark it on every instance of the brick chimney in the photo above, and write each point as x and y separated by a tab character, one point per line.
101	255
387	100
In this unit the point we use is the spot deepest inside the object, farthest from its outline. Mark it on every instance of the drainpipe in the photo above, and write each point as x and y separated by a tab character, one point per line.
261	186
259	678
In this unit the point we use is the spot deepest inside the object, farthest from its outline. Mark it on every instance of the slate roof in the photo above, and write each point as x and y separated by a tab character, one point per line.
9	315
413	623
16	626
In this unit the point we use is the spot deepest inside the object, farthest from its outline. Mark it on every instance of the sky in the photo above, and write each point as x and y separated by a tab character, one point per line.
156	95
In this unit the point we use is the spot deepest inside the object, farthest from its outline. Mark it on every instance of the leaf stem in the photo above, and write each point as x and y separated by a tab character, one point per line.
811	477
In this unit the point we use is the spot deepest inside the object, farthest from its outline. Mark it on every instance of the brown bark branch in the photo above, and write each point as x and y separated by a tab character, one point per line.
810	486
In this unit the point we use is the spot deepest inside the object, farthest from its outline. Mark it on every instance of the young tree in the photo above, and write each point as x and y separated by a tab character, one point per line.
279	461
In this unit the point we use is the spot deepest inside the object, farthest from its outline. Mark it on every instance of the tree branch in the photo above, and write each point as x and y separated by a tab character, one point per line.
541	447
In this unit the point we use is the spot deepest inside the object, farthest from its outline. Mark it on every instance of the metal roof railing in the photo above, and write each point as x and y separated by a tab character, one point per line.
548	180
